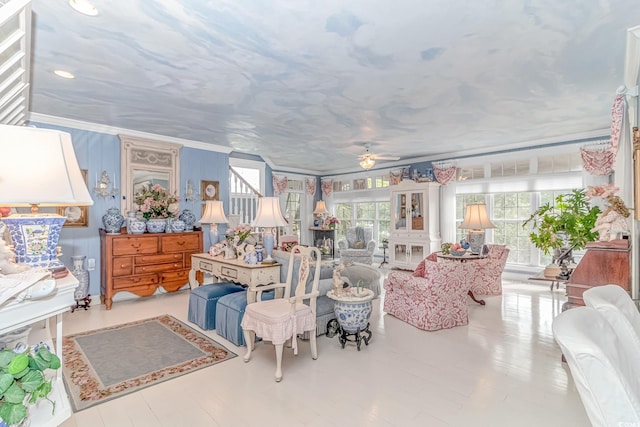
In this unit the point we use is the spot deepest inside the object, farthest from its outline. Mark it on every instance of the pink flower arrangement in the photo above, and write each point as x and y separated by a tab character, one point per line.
241	231
331	221
156	202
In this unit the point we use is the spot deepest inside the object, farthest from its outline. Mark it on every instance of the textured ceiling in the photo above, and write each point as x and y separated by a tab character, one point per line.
305	83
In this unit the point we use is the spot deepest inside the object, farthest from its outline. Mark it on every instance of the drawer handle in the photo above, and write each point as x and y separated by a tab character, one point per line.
123	265
135	245
181	243
176	265
134	280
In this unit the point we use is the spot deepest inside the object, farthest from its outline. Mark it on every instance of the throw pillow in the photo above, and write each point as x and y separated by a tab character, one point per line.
287	246
358	245
420	269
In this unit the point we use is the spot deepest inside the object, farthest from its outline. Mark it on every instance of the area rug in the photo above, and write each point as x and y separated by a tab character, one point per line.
108	363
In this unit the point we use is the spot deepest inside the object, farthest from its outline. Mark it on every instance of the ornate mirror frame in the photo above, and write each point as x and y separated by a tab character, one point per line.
139	154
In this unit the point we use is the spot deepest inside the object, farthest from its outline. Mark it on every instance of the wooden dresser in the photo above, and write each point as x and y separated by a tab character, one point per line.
140	263
604	263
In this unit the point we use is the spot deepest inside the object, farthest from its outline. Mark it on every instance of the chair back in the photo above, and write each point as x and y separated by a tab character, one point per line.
308	257
352	236
618	308
605	369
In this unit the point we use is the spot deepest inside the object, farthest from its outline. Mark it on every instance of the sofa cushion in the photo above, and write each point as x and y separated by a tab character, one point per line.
358	244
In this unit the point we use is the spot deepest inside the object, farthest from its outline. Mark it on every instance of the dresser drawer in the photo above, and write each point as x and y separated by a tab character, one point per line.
131	282
182	242
122	266
135	245
169	276
154	268
159	259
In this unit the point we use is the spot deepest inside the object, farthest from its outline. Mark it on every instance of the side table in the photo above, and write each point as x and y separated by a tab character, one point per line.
353	309
384	255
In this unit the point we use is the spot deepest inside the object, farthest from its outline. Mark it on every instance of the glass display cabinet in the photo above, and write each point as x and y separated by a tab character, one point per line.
415	223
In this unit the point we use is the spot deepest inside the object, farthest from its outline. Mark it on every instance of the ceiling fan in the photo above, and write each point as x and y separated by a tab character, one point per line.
368	159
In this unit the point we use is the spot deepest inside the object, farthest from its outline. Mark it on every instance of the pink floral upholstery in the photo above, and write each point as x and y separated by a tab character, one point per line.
436	301
488	279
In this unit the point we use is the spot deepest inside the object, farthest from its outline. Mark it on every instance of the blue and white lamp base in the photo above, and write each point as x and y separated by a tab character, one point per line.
35	238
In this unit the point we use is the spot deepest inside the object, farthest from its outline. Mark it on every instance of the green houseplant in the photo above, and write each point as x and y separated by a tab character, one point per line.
567	225
22	381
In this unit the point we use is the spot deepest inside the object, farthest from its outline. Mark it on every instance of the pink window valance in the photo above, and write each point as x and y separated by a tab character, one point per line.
327	187
444	173
310	184
599	159
279	184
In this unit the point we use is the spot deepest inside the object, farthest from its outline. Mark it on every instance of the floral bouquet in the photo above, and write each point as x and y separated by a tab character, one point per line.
154	201
331	221
242	231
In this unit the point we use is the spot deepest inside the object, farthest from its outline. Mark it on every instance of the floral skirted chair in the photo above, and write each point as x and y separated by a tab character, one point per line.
433	297
488	279
359	246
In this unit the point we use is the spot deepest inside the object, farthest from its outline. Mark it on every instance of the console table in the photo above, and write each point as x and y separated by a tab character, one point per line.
14	315
234	270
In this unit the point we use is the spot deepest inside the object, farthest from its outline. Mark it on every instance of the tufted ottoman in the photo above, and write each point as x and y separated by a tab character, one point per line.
203	301
229	315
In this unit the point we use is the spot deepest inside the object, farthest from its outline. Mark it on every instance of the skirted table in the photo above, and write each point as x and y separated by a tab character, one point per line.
353	309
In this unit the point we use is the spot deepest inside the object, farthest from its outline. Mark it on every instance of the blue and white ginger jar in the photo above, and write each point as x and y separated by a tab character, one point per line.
189	219
112	221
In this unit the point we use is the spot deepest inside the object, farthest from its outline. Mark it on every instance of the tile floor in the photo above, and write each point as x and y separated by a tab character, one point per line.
503	369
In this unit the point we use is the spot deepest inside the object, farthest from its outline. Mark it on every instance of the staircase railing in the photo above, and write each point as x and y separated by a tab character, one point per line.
243	199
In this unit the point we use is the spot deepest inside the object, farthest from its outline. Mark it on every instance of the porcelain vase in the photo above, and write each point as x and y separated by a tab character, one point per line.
112	221
135	225
353	315
156	225
177	225
189	219
80	273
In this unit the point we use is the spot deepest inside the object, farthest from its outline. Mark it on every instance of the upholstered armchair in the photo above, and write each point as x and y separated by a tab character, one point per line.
358	247
433	297
488	279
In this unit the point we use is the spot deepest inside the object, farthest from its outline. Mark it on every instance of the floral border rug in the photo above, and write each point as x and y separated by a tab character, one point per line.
111	362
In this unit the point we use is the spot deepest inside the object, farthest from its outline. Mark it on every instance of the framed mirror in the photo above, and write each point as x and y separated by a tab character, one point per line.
144	161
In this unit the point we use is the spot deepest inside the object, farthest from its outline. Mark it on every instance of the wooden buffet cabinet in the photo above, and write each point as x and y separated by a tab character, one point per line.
603	263
140	263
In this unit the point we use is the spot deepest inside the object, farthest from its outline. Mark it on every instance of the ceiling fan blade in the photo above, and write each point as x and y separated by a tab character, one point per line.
379	157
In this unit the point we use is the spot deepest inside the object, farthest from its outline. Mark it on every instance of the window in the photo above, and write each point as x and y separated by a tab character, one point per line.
364	214
508	211
292	212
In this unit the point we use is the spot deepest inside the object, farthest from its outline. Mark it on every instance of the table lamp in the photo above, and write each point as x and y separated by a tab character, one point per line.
320	211
269	216
476	220
39	170
214	215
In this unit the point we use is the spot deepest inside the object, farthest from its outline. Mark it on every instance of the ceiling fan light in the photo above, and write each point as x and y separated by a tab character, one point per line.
367	163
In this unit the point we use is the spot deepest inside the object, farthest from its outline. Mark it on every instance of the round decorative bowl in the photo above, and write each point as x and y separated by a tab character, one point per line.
136	226
177	226
156	225
457	253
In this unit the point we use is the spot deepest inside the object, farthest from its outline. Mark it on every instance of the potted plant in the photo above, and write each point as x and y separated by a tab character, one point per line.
385	242
565	226
22	381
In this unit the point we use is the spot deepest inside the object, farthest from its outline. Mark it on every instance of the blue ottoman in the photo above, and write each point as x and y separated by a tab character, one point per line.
229	315
203	300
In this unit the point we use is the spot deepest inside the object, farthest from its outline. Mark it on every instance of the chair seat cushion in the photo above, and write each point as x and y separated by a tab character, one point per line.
272	320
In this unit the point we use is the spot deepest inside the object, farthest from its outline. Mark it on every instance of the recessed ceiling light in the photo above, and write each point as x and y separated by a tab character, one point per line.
84	7
64	74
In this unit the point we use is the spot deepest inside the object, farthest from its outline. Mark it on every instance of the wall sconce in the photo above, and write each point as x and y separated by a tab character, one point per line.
189	194
104	188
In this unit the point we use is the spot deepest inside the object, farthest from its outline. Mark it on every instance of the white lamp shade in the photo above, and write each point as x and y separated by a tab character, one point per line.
321	208
213	213
40	168
269	214
475	217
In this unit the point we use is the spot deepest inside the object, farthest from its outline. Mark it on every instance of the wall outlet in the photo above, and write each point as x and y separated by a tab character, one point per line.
91	264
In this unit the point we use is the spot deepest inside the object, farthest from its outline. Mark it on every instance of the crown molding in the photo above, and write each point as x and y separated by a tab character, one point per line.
112	130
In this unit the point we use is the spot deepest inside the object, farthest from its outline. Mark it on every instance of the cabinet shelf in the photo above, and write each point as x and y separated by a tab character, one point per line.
14	315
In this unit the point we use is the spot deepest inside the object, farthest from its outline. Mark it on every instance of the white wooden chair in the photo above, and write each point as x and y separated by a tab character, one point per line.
281	319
